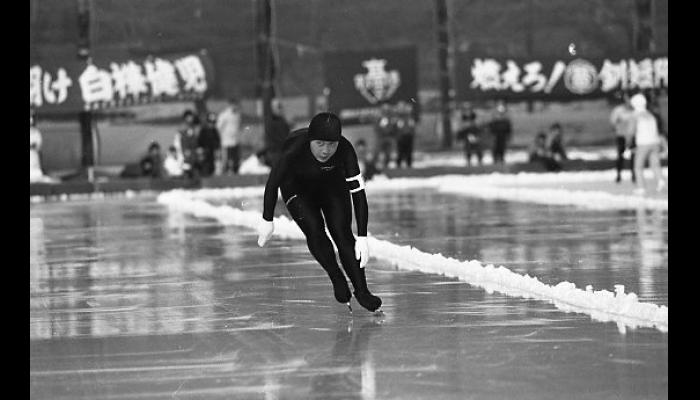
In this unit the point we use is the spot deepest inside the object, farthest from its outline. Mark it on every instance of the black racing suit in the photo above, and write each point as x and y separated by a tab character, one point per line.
313	191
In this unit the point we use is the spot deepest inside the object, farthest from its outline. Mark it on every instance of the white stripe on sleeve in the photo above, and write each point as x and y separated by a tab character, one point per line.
360	181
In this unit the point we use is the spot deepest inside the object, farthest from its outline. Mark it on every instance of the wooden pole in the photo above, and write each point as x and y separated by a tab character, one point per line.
443	46
265	65
85	117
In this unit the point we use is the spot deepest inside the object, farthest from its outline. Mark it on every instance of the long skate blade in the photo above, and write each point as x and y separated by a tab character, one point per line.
378	317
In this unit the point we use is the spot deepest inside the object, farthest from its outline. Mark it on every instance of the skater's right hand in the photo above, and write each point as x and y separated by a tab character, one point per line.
265	230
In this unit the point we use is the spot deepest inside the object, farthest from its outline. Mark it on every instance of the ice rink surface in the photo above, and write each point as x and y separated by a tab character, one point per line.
129	300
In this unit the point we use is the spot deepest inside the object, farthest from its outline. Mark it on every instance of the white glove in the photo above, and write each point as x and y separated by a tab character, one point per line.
265	230
362	250
627	153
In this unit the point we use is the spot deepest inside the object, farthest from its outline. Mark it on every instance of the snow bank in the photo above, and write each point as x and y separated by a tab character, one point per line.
512	187
252	165
622	308
494	186
500	179
92	196
598	200
456	159
225	193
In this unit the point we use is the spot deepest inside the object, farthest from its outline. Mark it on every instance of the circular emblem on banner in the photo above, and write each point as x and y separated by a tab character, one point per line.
377	84
580	77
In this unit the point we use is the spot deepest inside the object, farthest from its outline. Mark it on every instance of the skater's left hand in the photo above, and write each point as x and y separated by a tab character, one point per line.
362	250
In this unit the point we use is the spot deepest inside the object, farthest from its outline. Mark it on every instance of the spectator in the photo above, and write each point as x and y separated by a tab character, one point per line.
501	129
279	130
197	166
385	131
556	142
173	163
36	174
152	163
655	110
470	133
210	144
366	161
648	144
228	124
35	140
406	132
539	153
186	143
622	120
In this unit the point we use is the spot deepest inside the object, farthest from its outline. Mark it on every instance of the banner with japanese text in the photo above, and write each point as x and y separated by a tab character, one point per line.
103	84
484	77
359	82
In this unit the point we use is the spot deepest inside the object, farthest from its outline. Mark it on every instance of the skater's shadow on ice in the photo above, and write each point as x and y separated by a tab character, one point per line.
348	372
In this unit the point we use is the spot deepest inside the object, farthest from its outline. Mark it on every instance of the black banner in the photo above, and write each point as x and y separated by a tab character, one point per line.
359	82
484	77
76	86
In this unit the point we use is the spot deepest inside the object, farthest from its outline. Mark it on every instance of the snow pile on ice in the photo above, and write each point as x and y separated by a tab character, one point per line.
225	193
494	186
186	202
601	305
622	308
598	200
511	187
456	159
506	187
497	178
252	165
93	196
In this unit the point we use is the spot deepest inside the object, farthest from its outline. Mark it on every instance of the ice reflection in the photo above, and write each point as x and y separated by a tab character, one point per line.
554	243
38	275
653	249
106	273
348	372
180	307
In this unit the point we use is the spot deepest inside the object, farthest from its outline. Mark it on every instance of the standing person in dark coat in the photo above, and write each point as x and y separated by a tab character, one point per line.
556	142
366	160
152	163
655	109
502	130
470	133
540	153
186	143
622	121
210	143
406	132
279	130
